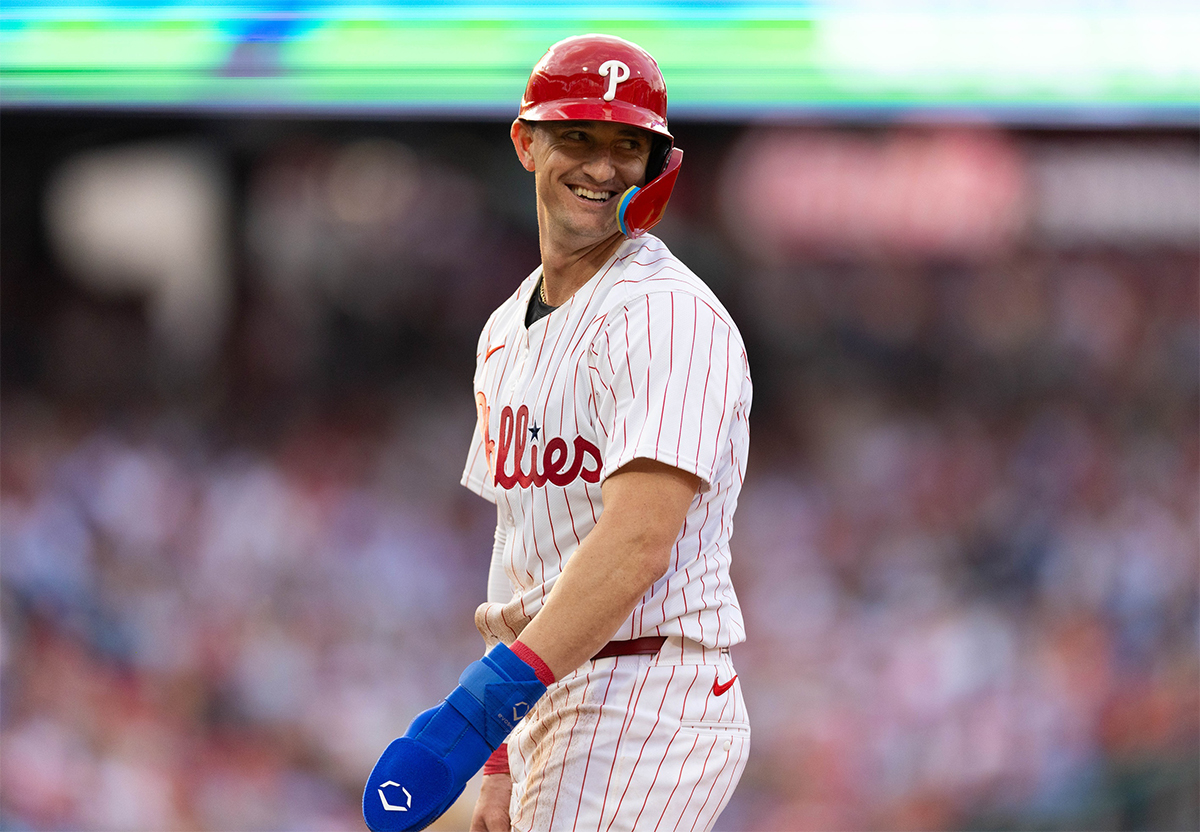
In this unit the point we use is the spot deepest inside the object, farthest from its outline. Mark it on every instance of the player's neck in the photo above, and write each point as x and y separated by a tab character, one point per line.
566	268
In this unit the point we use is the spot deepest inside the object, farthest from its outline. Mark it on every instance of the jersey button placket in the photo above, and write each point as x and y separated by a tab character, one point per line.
518	371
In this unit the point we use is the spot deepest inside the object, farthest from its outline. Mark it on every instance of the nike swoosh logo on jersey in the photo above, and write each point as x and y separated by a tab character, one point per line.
492	350
720	689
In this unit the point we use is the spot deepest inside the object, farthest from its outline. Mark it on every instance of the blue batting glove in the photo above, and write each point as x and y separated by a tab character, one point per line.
421	774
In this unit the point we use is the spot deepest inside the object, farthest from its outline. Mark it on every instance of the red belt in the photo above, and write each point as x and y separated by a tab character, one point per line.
632	647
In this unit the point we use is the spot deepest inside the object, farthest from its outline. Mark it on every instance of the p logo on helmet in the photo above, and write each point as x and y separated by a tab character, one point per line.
616	72
606	78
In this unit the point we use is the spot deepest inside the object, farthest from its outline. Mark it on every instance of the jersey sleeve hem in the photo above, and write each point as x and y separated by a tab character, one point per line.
479	486
687	464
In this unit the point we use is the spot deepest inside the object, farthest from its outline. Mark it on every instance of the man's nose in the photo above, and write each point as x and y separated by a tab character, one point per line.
600	165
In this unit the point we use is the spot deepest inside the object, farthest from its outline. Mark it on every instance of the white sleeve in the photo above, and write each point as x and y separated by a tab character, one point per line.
499	589
667	373
476	474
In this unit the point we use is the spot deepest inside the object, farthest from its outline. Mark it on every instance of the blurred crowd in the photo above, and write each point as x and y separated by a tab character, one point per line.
966	548
221	638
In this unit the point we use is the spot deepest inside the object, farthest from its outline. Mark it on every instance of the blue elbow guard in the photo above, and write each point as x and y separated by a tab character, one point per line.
421	774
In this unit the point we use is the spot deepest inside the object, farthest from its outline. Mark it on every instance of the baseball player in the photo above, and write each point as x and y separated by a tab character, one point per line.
613	393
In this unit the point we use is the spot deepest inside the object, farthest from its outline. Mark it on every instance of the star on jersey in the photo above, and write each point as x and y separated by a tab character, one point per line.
533	430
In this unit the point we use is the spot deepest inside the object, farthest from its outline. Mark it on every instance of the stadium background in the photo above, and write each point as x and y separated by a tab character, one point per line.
246	249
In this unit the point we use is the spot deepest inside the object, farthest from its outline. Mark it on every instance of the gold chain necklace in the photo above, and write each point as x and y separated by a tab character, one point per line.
542	290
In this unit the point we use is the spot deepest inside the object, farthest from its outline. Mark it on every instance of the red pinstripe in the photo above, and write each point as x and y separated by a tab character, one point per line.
504	620
704	394
731	779
553	533
670	371
649	362
555	718
642	750
678	782
667	750
566	753
627	364
700	531
683	811
687	383
678	557
629	709
716	450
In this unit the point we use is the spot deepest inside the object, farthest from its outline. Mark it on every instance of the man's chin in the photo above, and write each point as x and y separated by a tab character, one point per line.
588	228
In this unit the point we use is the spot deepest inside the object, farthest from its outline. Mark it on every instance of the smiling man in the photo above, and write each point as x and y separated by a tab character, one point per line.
613	394
584	166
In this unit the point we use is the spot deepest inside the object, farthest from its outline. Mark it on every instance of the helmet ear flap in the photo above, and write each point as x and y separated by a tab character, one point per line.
640	209
660	151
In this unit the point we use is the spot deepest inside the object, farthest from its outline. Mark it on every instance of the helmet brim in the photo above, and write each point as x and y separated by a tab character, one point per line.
588	109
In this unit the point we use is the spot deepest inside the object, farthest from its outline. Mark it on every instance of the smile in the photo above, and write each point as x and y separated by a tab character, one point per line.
592	196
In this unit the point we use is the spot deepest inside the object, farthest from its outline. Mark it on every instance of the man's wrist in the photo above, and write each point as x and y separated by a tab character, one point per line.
540	668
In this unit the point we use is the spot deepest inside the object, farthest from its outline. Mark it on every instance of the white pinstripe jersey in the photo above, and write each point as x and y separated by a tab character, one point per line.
643	361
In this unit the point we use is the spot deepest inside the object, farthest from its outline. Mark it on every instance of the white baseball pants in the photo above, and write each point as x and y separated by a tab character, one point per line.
632	742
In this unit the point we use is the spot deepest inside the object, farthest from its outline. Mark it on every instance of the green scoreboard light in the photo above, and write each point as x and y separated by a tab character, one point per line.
1049	62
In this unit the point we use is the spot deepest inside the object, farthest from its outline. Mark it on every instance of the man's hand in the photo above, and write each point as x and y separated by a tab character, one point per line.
491	809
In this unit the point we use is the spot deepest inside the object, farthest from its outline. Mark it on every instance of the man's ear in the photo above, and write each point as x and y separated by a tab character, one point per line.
522	138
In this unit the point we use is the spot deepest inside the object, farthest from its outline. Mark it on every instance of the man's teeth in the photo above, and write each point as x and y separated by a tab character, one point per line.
599	196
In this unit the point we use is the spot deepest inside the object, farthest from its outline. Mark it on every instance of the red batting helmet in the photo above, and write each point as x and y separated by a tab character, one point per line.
606	78
597	78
